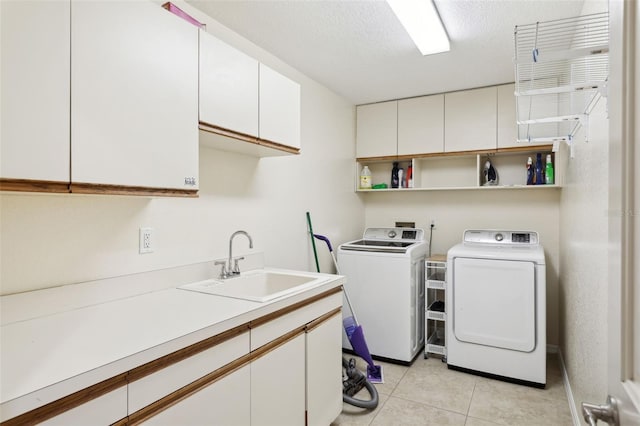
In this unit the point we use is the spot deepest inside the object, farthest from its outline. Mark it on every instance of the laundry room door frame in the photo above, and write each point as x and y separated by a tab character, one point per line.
624	211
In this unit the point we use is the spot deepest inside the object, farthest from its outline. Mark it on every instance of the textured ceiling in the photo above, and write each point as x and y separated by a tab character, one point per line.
359	50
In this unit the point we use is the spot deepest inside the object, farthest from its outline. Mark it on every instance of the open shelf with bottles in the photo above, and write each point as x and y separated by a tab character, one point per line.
461	170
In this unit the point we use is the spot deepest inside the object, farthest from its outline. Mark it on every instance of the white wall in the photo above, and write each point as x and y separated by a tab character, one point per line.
455	211
583	263
51	240
584	255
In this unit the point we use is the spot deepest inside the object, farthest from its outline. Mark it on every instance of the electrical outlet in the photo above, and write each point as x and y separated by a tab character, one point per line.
146	240
433	223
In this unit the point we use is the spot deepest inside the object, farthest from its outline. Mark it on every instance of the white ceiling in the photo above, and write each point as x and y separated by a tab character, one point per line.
360	51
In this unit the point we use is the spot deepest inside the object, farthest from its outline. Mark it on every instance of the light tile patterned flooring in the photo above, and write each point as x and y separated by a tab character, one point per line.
428	393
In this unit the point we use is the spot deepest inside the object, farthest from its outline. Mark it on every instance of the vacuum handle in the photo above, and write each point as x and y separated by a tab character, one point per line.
325	239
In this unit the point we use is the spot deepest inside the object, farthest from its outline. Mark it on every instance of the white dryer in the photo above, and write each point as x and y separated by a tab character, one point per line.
496	305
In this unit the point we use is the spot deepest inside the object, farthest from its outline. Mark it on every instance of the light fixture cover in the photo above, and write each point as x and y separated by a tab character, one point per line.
421	20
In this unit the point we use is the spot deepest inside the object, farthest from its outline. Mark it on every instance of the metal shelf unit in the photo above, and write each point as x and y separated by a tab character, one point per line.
561	69
436	315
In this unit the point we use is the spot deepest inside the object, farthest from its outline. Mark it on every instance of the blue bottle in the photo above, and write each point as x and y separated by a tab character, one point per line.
394	176
539	170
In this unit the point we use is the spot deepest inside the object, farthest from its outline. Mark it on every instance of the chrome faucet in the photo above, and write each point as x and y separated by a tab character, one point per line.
228	270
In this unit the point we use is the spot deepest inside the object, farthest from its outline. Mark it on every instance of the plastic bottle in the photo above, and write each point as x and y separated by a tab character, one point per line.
365	178
394	176
539	173
401	179
409	176
529	171
548	171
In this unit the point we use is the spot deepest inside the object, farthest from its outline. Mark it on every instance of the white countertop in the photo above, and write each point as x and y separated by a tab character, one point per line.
49	356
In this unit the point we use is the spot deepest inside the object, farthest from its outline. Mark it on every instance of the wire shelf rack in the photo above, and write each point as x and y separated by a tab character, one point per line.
561	68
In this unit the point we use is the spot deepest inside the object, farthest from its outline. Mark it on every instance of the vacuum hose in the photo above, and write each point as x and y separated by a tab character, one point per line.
353	382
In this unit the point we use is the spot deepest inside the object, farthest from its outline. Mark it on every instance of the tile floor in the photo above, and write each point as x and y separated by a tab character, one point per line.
428	393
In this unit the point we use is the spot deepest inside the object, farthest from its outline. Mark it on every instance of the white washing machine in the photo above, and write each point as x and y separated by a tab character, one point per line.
385	284
496	305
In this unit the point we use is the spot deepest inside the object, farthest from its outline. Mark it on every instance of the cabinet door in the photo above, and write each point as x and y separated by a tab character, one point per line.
507	129
225	402
279	108
421	125
104	410
34	120
324	372
470	120
134	103
278	385
228	87
148	389
377	129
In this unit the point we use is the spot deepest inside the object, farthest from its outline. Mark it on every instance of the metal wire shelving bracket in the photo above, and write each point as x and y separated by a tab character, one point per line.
561	68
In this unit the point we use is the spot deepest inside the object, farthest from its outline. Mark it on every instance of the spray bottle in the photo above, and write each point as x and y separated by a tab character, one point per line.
529	171
394	176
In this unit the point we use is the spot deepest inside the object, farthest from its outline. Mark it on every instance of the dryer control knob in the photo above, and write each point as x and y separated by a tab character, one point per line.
499	237
392	234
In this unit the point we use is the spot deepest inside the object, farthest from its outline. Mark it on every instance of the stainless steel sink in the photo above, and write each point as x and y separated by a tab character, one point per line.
258	285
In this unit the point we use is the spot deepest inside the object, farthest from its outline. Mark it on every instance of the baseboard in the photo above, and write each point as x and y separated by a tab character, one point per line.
567	387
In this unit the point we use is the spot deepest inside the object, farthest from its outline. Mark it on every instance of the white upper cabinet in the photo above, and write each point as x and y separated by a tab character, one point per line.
377	129
279	108
246	106
421	125
228	87
470	120
35	92
507	128
134	103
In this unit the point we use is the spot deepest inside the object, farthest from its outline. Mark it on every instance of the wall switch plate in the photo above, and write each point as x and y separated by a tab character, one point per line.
146	240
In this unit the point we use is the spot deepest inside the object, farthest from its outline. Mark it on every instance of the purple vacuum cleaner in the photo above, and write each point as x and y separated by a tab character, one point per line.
354	330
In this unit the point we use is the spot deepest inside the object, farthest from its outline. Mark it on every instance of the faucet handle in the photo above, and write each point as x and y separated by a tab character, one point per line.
223	270
236	267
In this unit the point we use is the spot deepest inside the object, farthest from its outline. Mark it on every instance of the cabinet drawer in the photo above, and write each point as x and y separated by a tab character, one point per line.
103	410
151	388
280	325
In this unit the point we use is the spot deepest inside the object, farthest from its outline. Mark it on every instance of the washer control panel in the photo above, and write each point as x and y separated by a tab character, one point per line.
394	234
489	236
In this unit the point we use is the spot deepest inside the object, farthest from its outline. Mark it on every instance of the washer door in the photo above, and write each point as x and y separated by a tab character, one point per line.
494	303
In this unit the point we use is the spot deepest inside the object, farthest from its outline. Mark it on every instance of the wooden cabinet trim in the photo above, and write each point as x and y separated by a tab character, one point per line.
26	185
184	353
524	148
210	128
275	145
94	188
324	318
274	315
68	402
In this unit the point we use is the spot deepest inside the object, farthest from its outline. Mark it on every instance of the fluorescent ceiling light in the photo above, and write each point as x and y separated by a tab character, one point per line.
421	20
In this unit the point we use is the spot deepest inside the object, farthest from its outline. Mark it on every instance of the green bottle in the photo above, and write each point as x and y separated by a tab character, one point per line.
548	171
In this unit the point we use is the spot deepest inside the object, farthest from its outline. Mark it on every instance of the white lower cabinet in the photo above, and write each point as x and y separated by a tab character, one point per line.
278	385
283	368
153	387
224	402
324	372
104	410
